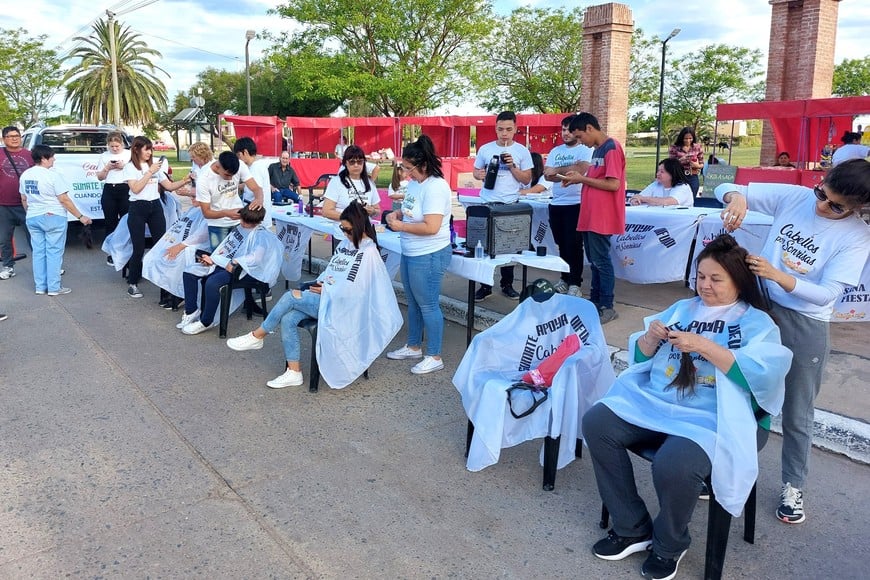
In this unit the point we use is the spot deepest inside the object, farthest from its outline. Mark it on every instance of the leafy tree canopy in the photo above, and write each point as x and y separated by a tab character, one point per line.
30	75
852	78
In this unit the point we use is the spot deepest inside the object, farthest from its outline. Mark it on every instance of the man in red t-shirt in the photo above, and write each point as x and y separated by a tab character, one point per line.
13	161
602	207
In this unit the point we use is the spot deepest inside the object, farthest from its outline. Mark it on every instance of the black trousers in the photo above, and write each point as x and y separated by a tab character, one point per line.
143	213
116	203
563	224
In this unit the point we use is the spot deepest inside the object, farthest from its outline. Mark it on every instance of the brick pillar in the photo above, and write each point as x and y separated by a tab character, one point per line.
800	62
607	30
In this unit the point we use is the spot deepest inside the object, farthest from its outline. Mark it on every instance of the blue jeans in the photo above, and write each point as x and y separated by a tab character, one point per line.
47	238
421	277
216	235
280	195
287	313
603	280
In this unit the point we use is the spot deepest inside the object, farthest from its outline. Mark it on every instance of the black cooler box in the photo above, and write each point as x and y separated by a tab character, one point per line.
502	228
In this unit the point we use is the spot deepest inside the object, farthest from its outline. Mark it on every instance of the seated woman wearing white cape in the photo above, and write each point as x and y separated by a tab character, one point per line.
353	301
249	246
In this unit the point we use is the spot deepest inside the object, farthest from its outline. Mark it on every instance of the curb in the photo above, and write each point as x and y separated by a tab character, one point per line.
831	432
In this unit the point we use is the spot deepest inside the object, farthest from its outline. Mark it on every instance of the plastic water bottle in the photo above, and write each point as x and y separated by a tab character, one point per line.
478	251
301	205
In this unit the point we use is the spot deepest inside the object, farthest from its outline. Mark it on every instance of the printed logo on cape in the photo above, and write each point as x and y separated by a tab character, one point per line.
545	341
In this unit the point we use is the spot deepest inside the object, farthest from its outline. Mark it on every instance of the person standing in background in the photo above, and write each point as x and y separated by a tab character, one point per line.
690	154
110	170
255	188
14	161
564	209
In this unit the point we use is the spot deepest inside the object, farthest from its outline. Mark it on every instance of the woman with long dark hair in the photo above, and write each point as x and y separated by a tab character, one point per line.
143	176
669	188
706	374
423	224
351	184
690	154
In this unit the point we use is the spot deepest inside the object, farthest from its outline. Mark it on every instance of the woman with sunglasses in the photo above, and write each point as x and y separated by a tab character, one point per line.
354	303
817	246
423	224
351	184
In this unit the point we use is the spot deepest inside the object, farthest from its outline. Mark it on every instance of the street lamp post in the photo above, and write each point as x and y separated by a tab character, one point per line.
249	35
116	104
673	33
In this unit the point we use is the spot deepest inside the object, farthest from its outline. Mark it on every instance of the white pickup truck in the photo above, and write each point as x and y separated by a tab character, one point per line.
77	151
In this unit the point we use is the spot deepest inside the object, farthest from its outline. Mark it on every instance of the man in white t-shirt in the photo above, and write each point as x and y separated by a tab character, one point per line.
515	170
217	191
246	150
565	206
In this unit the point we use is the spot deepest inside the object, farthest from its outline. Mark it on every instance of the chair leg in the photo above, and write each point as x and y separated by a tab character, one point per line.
225	296
249	303
749	516
551	460
578	451
469	434
314	382
718	525
366	374
605	517
264	290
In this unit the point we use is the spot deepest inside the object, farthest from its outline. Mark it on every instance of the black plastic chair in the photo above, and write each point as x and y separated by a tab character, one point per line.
718	521
321	183
310	324
249	284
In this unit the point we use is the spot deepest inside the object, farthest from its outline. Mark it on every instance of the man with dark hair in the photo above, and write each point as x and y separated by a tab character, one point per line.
283	180
217	191
514	171
564	209
254	193
602	213
14	160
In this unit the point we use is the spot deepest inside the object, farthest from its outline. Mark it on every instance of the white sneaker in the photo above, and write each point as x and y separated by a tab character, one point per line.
288	379
245	342
429	364
188	318
574	291
7	272
405	352
59	291
197	327
560	286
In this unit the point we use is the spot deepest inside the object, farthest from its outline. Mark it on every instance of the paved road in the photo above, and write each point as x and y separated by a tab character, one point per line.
130	450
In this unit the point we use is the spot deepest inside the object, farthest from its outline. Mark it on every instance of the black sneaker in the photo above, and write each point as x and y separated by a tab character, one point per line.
616	547
482	294
705	492
606	315
109	261
791	505
658	568
510	293
133	291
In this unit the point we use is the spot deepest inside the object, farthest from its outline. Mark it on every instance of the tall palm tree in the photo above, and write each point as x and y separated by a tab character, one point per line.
89	83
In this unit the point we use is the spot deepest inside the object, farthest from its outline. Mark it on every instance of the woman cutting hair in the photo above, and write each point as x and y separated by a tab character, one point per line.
700	371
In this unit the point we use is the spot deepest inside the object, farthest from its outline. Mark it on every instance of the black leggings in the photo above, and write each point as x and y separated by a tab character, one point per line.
143	213
116	203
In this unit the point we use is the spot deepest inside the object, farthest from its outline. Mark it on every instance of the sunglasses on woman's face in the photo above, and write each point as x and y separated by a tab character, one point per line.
822	196
355	161
346	230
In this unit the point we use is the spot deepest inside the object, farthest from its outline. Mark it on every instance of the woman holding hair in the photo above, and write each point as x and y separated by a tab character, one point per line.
201	157
45	197
705	376
538	184
690	154
353	302
423	224
110	170
669	188
817	246
351	184
398	185
144	175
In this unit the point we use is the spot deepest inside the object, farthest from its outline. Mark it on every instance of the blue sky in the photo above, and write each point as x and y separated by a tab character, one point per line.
195	34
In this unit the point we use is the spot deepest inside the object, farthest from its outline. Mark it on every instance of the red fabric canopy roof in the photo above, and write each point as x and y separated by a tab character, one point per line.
267	132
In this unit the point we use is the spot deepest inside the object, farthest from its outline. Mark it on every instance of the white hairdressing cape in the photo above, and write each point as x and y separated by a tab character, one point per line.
519	342
118	243
754	340
256	250
358	314
192	231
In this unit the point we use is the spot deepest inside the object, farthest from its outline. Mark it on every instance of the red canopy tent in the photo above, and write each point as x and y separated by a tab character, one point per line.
319	134
439	129
375	133
267	132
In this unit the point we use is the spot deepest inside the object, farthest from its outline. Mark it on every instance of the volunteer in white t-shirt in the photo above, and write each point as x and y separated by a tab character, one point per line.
351	184
850	149
110	170
817	246
669	188
44	195
564	210
217	192
423	224
144	175
514	170
246	150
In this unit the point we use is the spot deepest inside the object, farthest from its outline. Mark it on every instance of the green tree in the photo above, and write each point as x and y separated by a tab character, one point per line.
30	75
531	61
644	70
715	73
402	57
852	78
89	83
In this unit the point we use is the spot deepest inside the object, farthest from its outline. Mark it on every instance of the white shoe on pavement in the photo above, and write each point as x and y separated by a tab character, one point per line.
188	318
197	327
290	378
429	364
405	352
245	342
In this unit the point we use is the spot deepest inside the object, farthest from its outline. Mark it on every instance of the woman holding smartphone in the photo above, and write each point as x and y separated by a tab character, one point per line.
110	170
